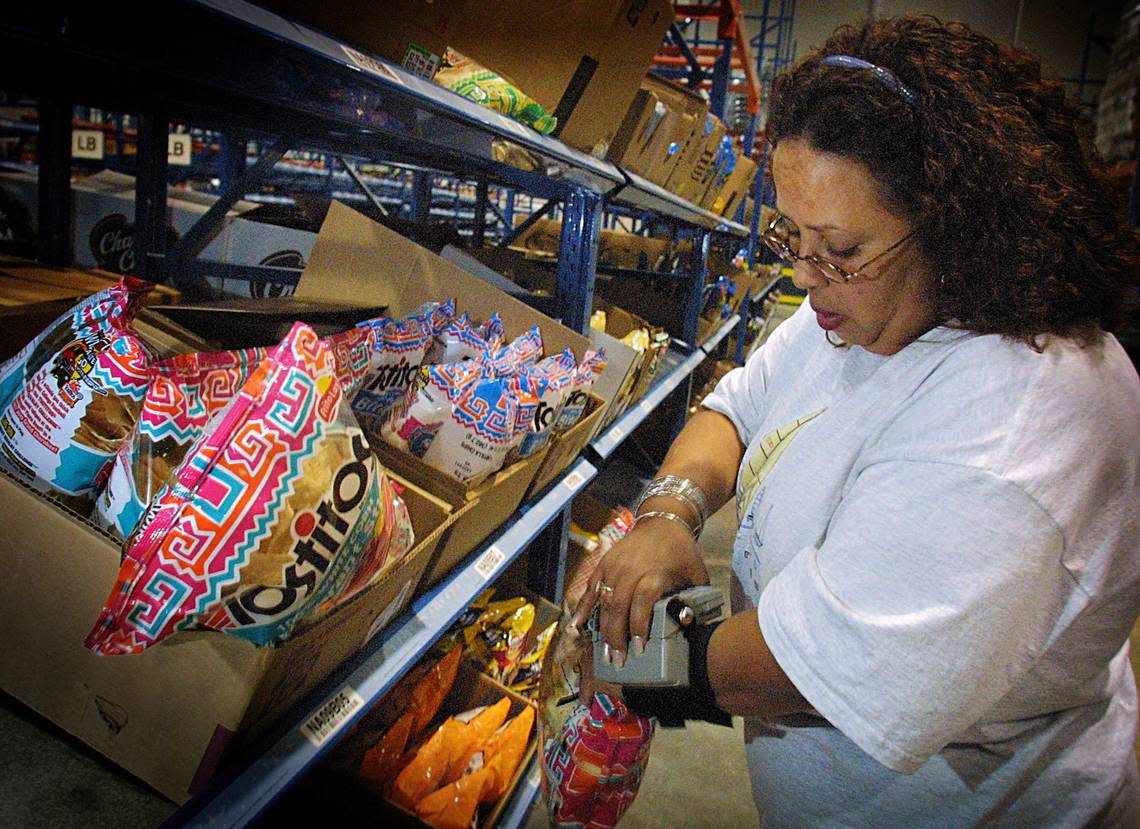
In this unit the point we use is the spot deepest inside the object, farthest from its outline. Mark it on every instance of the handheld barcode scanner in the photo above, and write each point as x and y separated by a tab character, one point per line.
665	661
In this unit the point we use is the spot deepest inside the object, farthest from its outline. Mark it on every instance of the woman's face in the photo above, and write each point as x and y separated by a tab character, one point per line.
842	218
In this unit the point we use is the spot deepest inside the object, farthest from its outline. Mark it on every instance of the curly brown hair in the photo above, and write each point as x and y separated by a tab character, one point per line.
993	165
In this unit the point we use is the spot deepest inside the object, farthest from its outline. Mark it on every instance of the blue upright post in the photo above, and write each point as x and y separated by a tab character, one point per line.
699	276
578	257
421	195
53	155
722	73
150	198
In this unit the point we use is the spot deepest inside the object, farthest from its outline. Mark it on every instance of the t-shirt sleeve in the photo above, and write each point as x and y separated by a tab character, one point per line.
916	615
742	394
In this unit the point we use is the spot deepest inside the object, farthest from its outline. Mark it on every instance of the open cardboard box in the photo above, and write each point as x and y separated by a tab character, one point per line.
169	714
332	793
564	448
356	260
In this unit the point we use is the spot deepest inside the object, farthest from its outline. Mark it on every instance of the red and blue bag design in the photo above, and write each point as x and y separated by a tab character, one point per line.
271	514
71	396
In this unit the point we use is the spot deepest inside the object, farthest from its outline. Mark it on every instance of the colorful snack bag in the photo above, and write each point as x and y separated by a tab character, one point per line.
554	378
507	643
353	353
593	770
522	352
458	340
400	348
269	515
71	396
457	419
526	680
492	329
185	392
484	87
489	776
589	370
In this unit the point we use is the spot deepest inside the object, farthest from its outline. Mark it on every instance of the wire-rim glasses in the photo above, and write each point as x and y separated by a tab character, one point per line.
776	237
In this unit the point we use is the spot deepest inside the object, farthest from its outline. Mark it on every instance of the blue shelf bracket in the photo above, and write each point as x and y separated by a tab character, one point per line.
54	149
422	182
211	222
699	272
150	198
578	257
722	72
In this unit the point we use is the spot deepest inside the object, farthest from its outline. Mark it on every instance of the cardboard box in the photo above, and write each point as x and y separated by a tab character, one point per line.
736	187
694	169
615	248
169	714
583	60
565	448
619	323
332	793
657	128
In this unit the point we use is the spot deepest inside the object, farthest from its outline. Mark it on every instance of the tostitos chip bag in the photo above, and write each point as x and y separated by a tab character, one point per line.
459	418
399	350
589	370
71	395
270	515
185	392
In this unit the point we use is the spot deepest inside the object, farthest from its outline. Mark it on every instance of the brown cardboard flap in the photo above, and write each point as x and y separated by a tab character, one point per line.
356	260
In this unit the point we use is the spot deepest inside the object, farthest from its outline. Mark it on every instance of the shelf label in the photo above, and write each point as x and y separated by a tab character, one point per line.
573	480
179	149
646	406
332	716
87	144
489	561
616	433
369	64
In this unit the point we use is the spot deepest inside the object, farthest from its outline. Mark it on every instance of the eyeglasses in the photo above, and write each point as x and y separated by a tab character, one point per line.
779	231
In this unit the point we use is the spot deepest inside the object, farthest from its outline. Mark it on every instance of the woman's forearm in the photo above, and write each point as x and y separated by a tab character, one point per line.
745	677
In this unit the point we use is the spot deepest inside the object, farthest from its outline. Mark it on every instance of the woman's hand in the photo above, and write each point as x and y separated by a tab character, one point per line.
658	557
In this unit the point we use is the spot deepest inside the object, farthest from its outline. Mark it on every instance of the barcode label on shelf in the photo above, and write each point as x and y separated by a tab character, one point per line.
616	433
370	64
331	716
573	480
646	406
489	561
420	61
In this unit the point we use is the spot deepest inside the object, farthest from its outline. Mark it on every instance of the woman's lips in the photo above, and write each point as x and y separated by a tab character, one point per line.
829	321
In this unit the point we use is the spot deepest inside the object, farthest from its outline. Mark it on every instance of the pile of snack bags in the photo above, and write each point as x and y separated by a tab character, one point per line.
443	774
464	76
501	638
242	482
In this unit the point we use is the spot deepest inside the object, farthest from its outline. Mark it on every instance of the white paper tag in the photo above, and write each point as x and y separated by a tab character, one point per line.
616	433
382	620
573	480
332	716
369	64
489	561
179	149
87	144
646	406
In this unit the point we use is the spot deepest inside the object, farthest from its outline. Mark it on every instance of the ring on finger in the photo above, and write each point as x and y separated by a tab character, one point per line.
602	589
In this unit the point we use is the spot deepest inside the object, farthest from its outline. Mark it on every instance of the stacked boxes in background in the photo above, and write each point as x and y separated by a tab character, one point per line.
582	60
657	128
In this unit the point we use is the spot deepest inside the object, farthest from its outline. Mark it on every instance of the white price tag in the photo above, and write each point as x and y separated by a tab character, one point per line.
573	480
179	149
369	64
332	716
646	406
87	144
616	433
489	561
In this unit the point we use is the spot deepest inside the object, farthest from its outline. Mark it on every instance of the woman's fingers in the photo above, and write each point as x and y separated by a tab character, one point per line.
649	589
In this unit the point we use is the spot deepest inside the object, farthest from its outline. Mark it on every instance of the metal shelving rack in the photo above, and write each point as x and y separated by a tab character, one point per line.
241	71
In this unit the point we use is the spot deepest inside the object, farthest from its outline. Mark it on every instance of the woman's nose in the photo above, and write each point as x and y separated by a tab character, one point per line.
806	275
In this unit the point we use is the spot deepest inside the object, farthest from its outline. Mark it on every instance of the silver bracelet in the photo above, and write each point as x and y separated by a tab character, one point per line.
672	516
681	488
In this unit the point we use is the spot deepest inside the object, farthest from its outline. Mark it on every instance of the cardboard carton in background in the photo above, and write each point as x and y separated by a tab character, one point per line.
736	187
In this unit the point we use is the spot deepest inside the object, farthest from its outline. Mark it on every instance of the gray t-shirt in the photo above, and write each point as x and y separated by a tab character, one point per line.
943	547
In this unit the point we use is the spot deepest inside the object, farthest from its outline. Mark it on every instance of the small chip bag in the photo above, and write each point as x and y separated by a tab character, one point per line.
484	87
589	370
553	378
459	418
70	397
271	514
185	392
399	350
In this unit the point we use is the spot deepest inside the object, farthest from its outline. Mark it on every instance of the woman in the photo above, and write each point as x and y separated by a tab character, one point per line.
936	460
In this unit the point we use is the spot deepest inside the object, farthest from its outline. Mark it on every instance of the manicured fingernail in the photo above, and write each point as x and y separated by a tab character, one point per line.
607	655
619	659
638	646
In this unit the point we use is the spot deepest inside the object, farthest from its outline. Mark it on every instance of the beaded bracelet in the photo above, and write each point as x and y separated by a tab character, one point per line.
672	516
682	489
